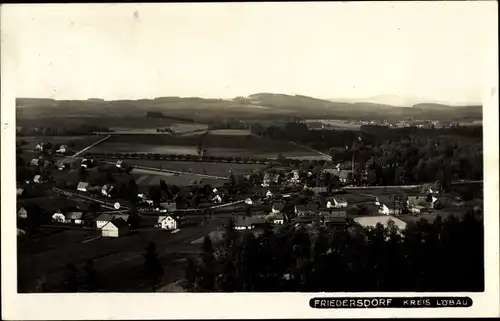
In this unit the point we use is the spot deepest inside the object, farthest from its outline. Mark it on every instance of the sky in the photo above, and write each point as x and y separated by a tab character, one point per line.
429	50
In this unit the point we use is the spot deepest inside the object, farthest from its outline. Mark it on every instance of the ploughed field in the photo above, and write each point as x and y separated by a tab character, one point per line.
215	145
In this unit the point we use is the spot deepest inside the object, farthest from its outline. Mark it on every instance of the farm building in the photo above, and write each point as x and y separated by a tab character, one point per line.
105	218
19	192
62	149
307	209
248	201
269	194
20	232
120	164
337	202
115	228
170	222
83	186
277	208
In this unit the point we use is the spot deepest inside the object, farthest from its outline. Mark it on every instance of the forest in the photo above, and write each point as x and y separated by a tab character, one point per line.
443	255
395	156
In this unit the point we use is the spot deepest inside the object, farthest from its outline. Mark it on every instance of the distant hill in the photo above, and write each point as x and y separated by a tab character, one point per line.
255	106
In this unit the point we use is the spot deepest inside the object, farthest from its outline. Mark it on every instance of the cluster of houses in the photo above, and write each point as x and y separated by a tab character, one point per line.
111	224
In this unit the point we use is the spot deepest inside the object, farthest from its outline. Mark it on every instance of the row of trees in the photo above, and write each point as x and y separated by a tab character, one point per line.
375	259
181	157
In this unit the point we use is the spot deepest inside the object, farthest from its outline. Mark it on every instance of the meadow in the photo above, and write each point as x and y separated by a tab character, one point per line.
221	144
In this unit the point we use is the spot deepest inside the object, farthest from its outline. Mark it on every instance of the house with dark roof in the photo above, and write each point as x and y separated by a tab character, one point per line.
105	218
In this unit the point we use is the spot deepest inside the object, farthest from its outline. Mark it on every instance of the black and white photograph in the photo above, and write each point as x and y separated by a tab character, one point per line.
257	148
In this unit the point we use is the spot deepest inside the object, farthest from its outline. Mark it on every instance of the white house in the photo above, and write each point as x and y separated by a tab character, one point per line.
22	213
169	222
119	164
338	202
34	162
248	201
115	228
83	186
59	217
269	194
217	199
62	149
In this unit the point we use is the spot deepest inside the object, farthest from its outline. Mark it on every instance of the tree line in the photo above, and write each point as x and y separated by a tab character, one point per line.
353	259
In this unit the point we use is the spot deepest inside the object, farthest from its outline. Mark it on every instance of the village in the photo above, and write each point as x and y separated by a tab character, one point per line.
103	195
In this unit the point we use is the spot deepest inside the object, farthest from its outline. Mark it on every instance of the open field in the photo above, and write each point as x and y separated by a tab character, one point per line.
231	132
215	145
113	257
335	124
207	168
78	141
145	180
